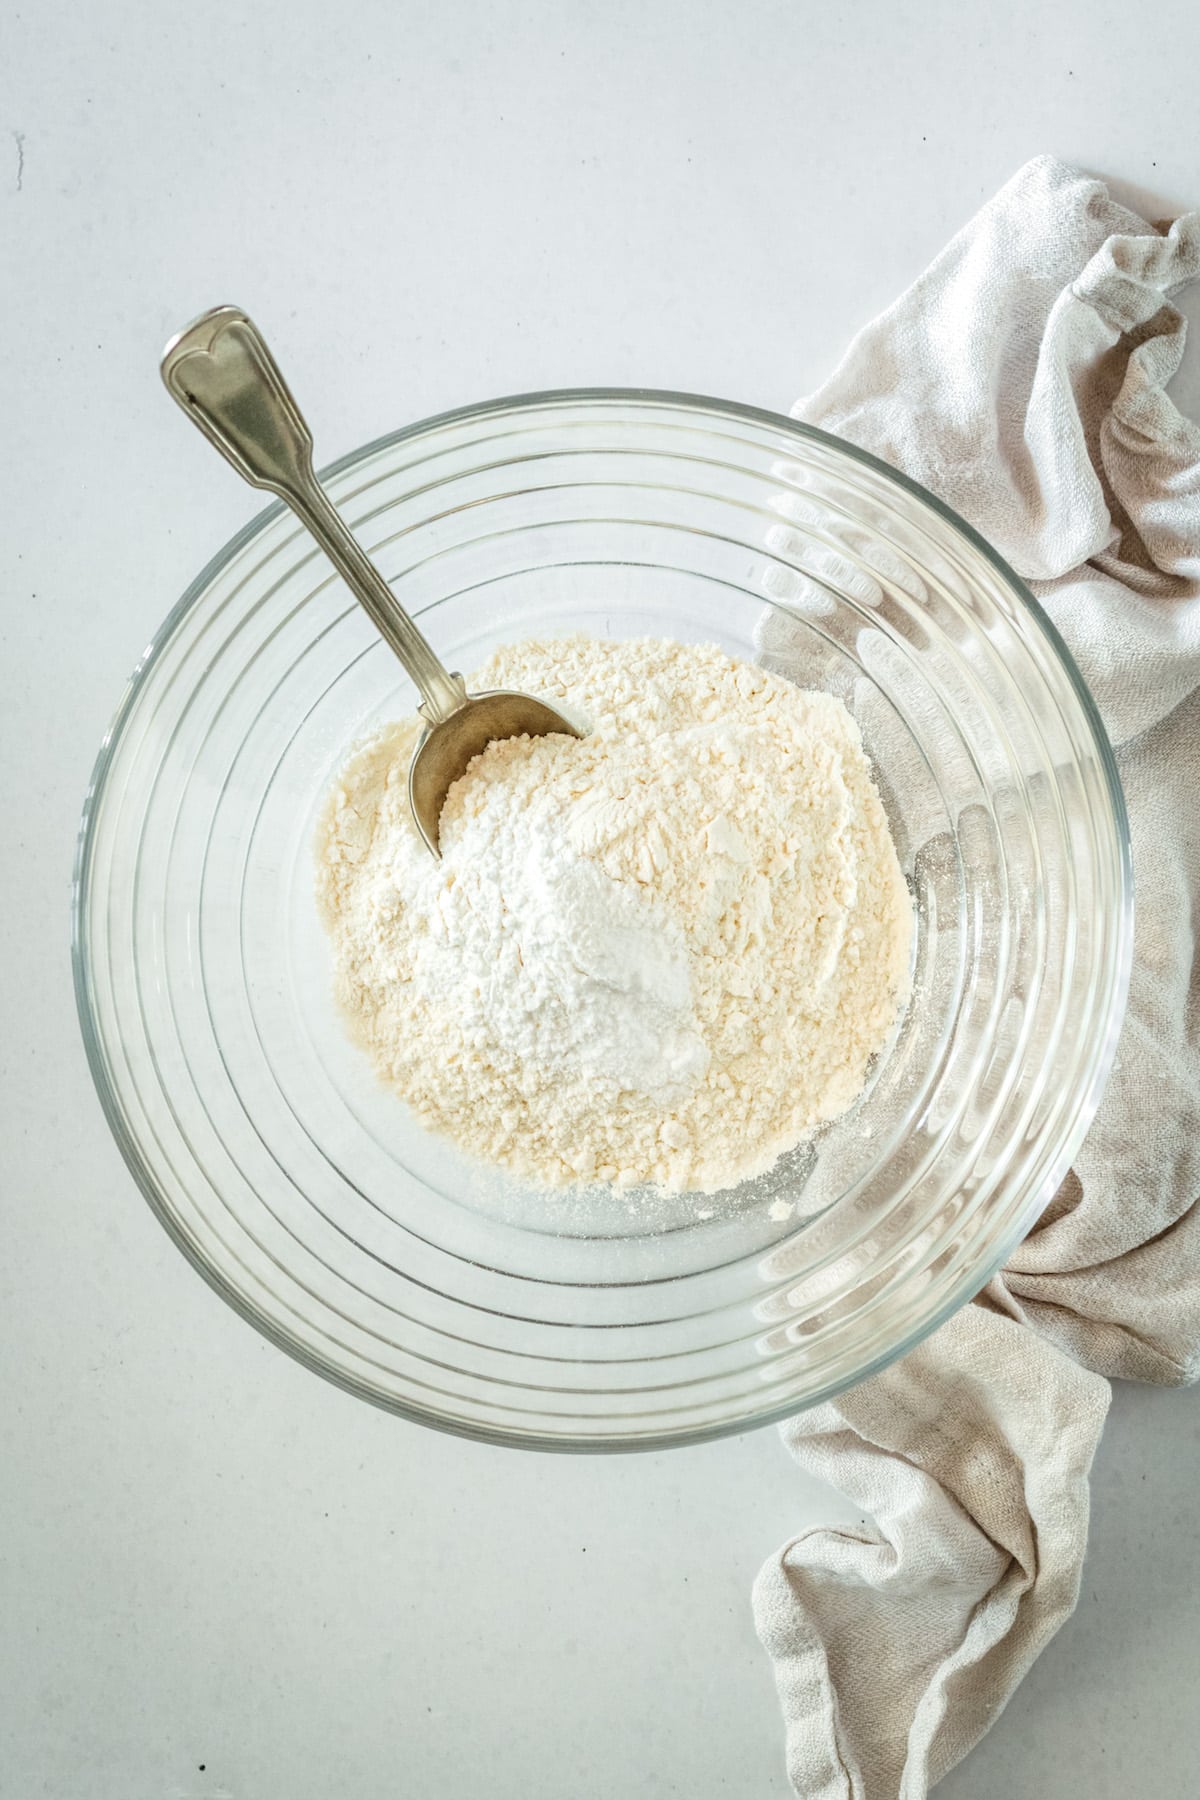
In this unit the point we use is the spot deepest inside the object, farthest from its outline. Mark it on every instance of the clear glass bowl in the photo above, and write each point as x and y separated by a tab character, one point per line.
374	1253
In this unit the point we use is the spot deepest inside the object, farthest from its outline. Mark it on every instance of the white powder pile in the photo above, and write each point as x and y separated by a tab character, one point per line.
662	953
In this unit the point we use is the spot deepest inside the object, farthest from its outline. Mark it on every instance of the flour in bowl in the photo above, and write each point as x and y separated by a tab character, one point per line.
662	953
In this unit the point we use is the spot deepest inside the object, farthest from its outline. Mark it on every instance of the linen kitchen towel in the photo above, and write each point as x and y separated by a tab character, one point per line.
1022	379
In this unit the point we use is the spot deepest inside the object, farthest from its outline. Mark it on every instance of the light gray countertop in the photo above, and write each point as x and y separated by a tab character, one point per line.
223	1578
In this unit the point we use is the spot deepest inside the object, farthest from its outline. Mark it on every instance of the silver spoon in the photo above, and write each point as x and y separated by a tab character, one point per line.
226	380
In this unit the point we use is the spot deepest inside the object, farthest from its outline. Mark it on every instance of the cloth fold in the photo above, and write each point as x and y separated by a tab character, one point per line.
1022	378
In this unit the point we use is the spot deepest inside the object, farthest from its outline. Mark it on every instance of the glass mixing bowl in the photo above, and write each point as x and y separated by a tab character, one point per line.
372	1251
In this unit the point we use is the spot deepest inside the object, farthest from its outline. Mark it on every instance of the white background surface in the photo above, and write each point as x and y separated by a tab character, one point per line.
223	1578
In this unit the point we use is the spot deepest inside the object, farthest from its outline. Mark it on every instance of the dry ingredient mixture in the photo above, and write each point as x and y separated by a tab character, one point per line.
660	954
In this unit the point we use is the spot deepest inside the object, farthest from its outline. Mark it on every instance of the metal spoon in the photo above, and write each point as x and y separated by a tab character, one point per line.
226	380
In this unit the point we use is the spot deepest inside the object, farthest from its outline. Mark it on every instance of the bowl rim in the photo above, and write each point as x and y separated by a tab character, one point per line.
711	407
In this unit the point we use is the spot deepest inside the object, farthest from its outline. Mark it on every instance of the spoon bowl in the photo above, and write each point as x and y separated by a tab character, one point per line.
446	749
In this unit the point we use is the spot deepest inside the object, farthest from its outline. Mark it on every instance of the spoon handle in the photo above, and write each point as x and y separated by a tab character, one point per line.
224	377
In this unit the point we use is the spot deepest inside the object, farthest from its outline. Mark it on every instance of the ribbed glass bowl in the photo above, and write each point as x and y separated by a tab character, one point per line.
305	1193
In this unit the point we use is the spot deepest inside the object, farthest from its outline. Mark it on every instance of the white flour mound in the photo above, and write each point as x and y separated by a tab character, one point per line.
663	953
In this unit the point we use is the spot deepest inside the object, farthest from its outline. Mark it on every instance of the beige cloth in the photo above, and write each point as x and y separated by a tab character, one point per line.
1021	378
